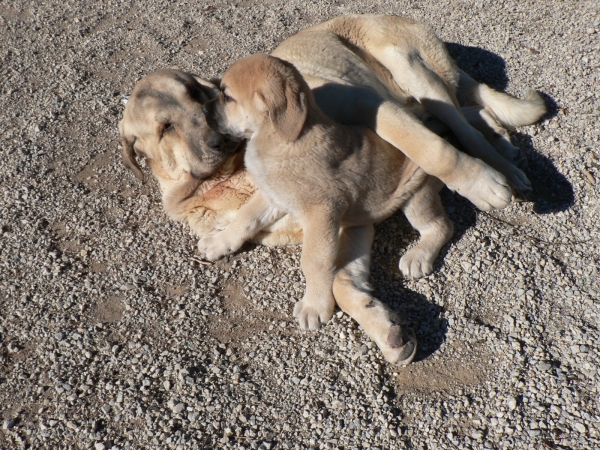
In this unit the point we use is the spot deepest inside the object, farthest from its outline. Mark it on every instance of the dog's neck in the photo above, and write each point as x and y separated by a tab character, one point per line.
176	192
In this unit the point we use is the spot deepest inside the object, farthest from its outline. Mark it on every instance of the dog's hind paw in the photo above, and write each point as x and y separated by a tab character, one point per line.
401	345
520	184
485	187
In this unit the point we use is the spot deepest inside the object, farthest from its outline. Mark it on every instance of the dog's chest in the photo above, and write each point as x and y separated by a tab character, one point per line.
269	179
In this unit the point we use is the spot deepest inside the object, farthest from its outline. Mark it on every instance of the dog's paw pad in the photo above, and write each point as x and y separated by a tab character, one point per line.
416	263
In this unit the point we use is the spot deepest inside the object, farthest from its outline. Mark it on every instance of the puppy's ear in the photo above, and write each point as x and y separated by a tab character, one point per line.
286	105
129	155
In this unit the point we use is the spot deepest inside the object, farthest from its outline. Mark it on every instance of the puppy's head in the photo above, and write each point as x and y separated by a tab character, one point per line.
256	92
163	122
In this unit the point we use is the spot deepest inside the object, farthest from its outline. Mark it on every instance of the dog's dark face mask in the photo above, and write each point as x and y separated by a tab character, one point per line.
164	123
215	118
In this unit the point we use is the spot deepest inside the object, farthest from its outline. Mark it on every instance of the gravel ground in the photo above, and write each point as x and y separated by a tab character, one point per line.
113	336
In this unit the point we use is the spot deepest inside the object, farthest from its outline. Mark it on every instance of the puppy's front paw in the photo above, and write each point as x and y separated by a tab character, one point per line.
417	263
311	314
215	246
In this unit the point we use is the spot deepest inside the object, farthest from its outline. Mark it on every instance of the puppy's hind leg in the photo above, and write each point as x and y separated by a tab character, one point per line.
426	214
470	177
353	295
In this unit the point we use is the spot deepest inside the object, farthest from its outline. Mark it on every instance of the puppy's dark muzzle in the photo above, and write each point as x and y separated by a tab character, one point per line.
221	140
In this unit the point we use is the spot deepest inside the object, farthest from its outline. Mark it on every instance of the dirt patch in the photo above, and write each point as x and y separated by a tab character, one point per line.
238	324
235	300
233	330
440	376
98	267
109	311
71	247
24	351
177	291
241	320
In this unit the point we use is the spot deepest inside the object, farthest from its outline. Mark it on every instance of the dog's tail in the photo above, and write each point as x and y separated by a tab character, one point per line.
510	111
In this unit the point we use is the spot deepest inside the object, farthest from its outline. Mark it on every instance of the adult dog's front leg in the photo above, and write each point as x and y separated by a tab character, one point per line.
252	218
470	177
321	234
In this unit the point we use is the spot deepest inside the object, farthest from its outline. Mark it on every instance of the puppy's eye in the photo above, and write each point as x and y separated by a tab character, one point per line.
226	97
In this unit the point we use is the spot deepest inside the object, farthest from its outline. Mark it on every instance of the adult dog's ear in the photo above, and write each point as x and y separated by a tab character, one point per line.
129	155
209	89
286	105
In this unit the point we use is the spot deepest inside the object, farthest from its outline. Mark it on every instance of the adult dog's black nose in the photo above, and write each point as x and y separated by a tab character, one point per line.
215	141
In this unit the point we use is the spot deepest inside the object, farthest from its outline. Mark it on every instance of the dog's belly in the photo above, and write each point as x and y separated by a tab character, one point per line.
378	206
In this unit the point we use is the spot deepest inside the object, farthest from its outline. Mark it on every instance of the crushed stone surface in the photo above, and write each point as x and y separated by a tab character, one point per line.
113	336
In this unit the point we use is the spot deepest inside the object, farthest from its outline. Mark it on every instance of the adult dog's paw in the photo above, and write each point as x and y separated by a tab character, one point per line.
312	313
485	187
215	246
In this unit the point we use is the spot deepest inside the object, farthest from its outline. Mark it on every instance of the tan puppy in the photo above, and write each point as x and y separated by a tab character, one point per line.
325	174
397	61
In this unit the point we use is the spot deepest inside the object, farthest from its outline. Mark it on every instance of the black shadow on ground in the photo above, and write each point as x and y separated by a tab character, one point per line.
482	65
552	191
489	68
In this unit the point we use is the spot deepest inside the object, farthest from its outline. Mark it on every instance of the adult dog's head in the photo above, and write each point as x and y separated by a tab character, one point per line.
163	122
256	92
